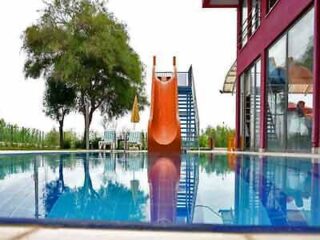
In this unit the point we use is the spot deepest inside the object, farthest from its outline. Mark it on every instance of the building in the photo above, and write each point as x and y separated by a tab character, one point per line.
276	76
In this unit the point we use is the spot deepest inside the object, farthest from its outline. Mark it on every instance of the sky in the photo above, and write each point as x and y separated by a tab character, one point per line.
205	38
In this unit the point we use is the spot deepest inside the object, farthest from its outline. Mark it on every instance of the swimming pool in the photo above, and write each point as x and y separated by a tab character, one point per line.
198	191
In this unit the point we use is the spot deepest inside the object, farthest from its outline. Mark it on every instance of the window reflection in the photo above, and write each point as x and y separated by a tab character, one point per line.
300	63
276	83
289	85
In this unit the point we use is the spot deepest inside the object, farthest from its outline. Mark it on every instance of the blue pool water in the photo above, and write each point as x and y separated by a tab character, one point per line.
191	189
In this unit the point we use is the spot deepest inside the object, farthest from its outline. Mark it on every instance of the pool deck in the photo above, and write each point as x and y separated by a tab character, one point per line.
216	151
262	154
38	233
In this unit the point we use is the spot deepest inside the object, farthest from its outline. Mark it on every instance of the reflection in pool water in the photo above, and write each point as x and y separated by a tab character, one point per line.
187	189
164	174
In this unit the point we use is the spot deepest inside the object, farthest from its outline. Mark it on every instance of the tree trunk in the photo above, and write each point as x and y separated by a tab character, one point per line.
61	180
86	126
61	134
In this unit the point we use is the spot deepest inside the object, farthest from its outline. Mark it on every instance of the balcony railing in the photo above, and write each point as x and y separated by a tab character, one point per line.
249	26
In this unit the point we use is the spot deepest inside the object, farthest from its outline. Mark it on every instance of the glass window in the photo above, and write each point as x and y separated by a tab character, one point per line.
244	16
242	110
271	3
251	107
276	86
247	106
257	100
300	82
289	88
255	18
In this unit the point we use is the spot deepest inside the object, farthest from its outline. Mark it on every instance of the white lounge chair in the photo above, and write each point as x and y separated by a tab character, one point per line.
135	139
109	138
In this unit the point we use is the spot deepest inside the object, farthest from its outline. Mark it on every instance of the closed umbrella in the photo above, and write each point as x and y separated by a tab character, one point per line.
135	116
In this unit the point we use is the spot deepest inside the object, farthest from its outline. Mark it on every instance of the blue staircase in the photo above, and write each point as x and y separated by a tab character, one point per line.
188	110
187	192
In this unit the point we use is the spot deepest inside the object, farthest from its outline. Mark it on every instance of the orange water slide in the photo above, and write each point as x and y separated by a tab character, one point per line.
164	131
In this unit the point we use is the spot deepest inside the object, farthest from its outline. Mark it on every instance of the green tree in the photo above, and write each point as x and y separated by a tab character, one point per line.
203	140
81	43
70	139
52	138
307	58
219	134
59	100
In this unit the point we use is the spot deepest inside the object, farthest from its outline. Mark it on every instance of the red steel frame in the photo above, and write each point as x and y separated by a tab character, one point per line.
316	83
238	86
263	102
263	87
206	4
272	25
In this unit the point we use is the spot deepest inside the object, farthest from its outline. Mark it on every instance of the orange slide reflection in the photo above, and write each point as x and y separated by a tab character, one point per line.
164	131
163	175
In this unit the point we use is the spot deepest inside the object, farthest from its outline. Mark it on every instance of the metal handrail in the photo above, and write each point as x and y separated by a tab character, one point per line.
246	25
194	96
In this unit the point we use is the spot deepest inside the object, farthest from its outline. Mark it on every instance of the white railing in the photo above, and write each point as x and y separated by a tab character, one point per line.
183	77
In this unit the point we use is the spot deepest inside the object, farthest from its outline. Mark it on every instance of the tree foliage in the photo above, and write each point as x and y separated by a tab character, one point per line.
52	138
217	164
59	100
307	58
82	44
219	134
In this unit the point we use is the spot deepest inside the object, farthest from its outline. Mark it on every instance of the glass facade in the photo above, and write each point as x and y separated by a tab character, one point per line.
255	15
250	117
244	17
289	88
300	79
276	87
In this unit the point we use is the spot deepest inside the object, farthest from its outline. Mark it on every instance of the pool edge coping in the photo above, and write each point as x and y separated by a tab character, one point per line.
129	226
220	151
